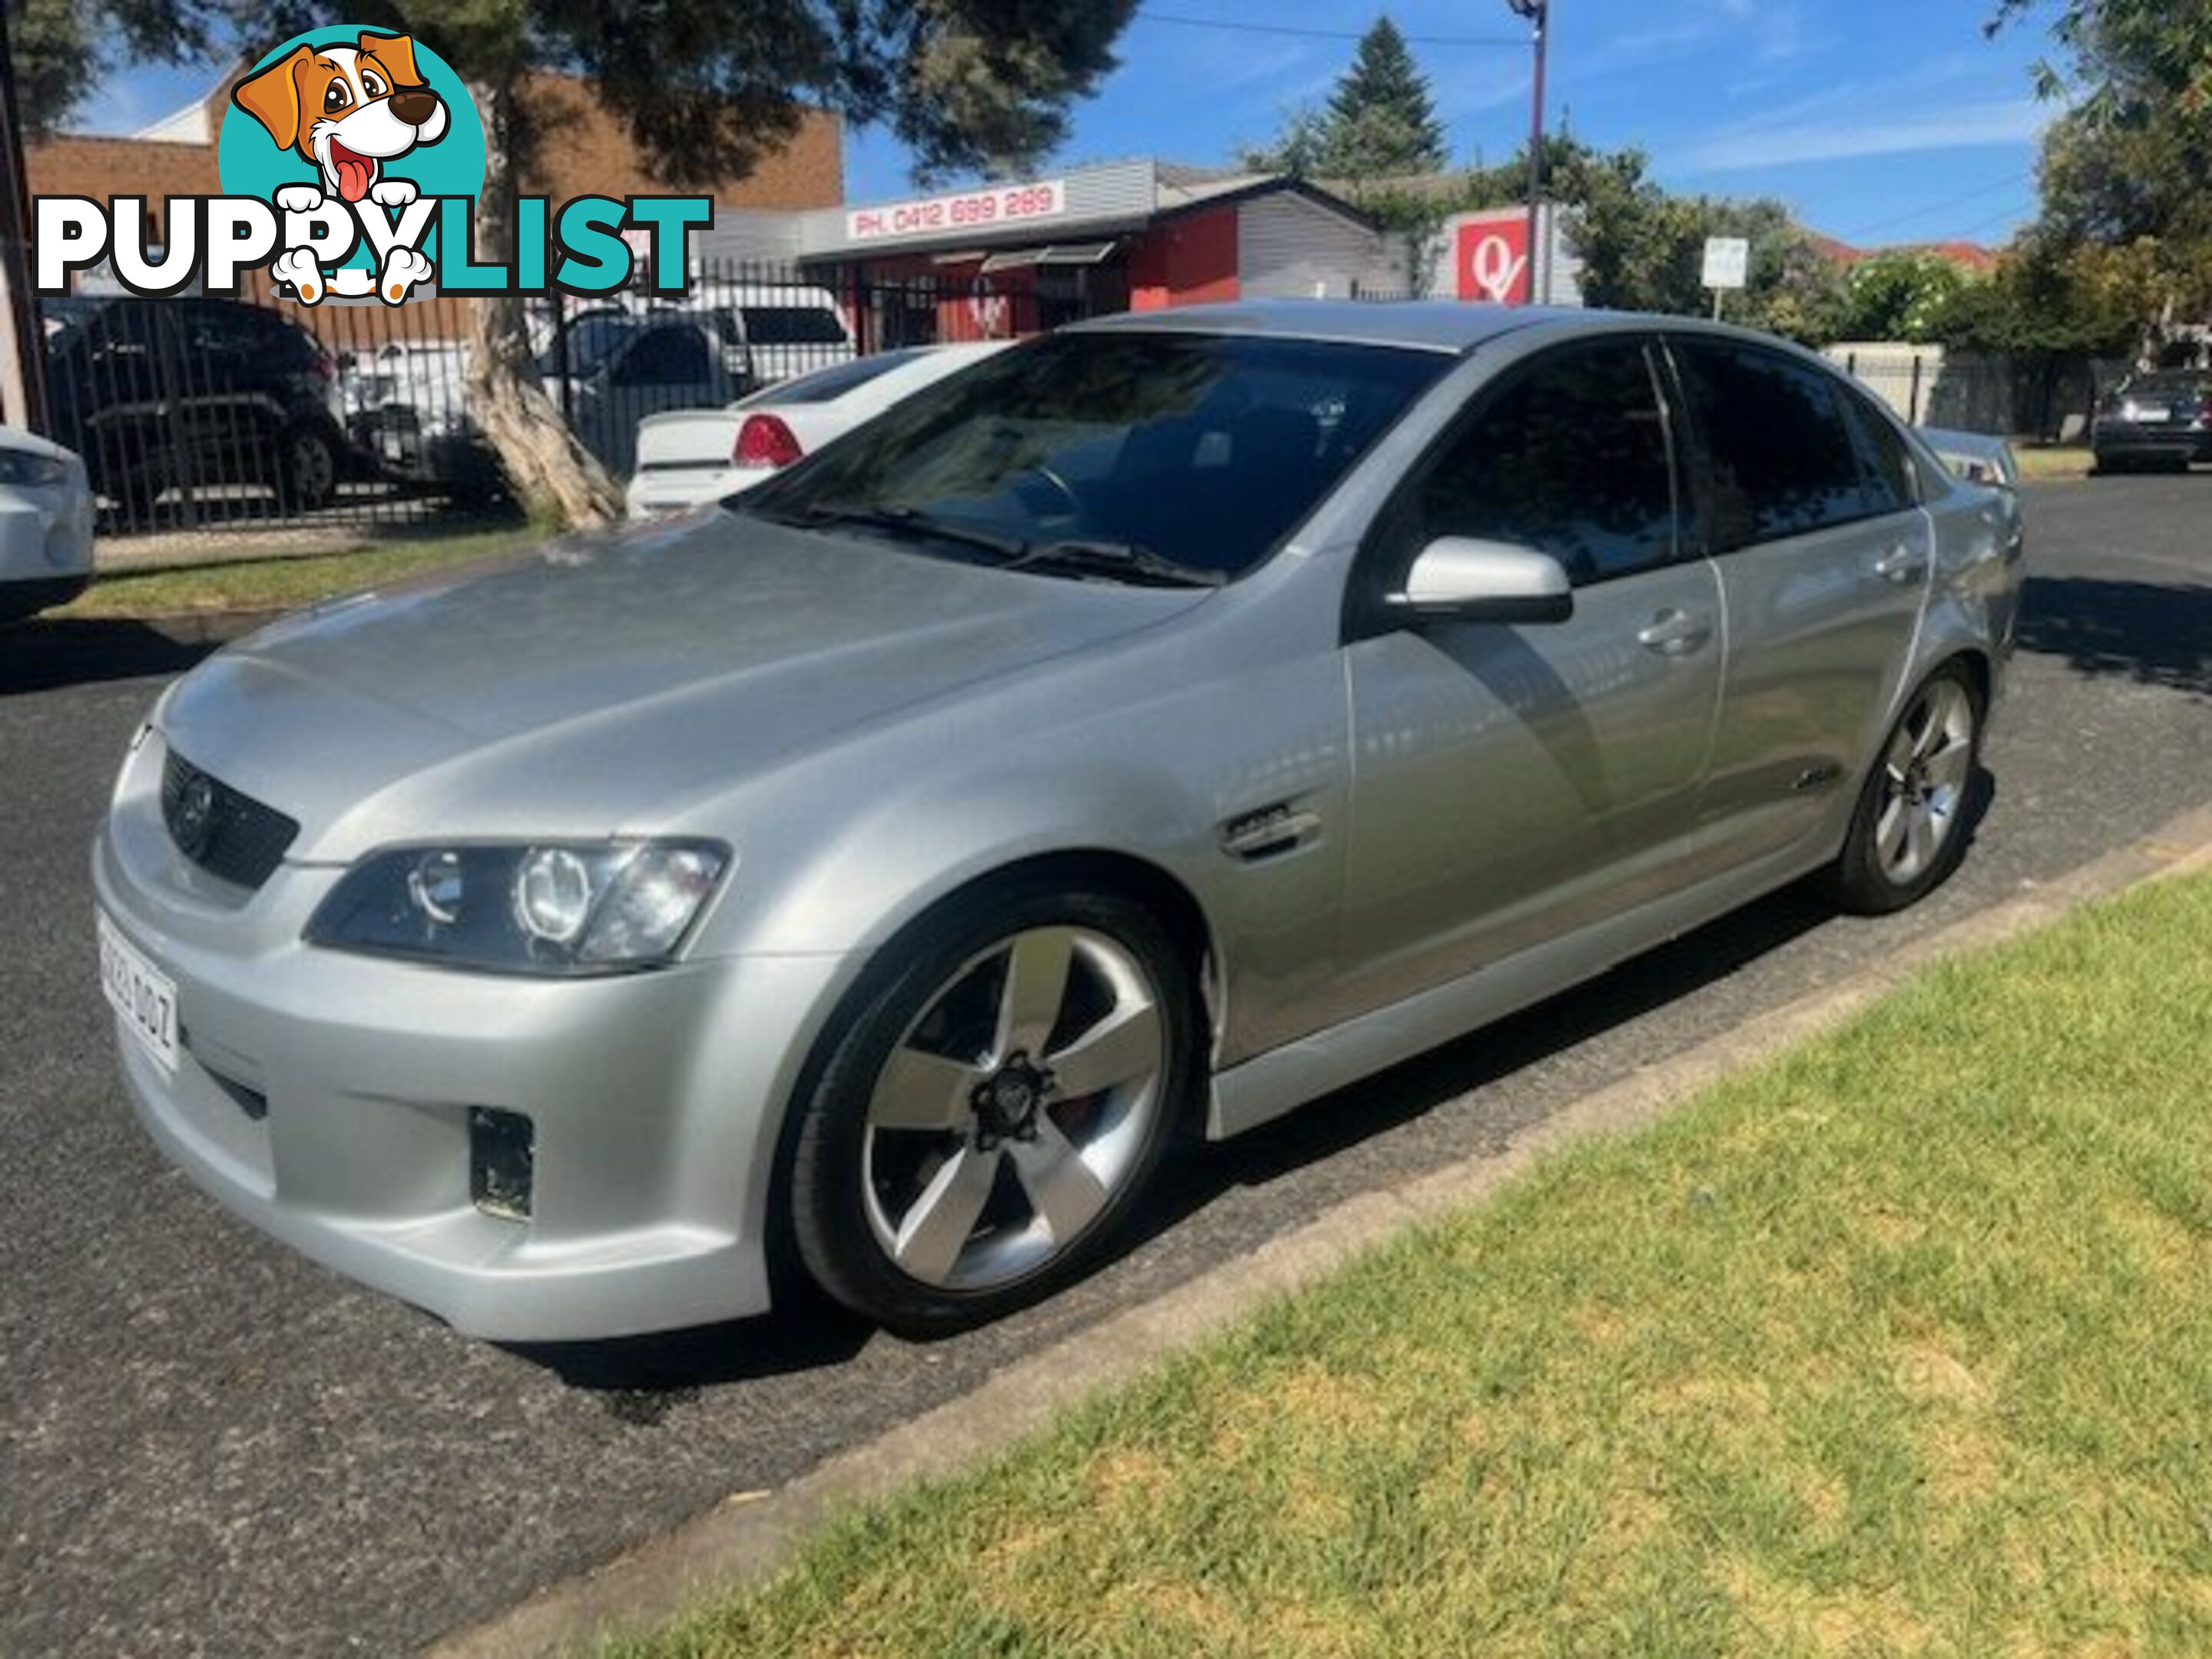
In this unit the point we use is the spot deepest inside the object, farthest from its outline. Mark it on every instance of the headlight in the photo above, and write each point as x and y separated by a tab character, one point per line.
27	470
553	908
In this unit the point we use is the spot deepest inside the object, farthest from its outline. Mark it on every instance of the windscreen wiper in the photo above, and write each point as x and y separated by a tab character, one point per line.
1125	559
905	522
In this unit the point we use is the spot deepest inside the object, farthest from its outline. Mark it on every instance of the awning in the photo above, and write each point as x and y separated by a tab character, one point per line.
1059	253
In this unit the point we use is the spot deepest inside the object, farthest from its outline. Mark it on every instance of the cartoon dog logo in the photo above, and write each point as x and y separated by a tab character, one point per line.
347	110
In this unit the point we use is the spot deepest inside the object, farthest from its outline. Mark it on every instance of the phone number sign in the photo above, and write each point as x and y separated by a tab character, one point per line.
972	209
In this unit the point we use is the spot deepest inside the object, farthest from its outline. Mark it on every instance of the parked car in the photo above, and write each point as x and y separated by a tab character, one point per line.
45	525
406	409
1975	456
687	458
1155	727
775	330
2161	419
189	394
621	366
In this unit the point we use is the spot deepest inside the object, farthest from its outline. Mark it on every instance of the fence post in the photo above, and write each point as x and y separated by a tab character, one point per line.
1912	401
561	357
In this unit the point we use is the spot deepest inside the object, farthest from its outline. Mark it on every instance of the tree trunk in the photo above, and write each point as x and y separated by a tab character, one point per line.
550	473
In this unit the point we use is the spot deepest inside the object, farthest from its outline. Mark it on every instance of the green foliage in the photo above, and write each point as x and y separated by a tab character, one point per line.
1643	249
2125	167
1379	122
704	86
2048	301
1904	294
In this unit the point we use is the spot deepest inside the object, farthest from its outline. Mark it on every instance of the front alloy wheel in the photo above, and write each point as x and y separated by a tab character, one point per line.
995	1112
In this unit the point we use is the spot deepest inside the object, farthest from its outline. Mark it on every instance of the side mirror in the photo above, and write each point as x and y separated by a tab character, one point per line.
1485	582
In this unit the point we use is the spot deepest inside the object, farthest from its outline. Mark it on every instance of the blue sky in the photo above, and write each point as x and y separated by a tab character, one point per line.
1879	120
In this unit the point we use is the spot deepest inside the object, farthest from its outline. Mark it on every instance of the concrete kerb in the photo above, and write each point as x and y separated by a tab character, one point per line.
749	1534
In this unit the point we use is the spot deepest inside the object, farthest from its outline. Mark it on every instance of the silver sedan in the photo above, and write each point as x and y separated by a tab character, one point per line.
1122	742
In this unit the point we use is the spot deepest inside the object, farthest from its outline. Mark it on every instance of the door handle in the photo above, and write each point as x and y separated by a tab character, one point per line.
1901	564
1675	632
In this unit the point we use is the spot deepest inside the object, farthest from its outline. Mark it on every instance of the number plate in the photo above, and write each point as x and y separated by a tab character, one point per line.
143	996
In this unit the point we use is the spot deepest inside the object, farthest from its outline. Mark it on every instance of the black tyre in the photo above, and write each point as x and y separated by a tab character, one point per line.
995	1106
1911	831
308	476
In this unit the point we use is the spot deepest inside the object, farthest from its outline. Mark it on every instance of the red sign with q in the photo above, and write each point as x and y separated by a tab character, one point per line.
1491	257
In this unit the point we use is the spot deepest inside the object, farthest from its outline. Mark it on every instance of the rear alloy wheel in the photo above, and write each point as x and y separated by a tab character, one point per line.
990	1120
1910	831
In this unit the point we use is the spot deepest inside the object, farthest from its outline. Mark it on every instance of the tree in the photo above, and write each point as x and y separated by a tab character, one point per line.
2125	165
1903	294
1299	148
704	87
1382	122
1379	122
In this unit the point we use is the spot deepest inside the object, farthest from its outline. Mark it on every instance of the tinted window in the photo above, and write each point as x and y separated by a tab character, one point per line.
1205	449
666	356
1888	466
793	326
1570	458
1783	462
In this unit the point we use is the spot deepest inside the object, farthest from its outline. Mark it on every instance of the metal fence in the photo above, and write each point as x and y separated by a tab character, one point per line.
2044	398
197	415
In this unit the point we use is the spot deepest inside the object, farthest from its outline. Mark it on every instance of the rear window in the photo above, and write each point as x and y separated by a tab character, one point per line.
824	384
2185	383
1781	461
793	326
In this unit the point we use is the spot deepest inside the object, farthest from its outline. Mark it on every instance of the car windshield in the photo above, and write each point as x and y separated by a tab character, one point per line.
1199	451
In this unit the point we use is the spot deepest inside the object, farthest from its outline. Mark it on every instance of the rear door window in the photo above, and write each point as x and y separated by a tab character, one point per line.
1890	478
1780	460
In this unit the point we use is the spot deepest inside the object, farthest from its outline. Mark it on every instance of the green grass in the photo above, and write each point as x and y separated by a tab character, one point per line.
2056	462
281	583
1901	1344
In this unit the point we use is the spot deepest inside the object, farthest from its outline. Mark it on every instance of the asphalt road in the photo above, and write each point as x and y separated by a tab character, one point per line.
211	1446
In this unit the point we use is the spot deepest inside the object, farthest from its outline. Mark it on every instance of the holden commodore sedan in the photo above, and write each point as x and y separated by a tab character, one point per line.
1154	728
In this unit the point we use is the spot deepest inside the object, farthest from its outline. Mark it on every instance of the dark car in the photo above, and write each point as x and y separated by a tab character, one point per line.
2162	419
193	393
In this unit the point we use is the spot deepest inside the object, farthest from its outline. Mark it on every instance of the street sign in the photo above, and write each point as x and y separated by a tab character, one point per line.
1727	262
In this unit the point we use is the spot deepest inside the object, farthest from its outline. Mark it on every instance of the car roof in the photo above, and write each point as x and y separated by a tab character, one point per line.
1457	326
1450	325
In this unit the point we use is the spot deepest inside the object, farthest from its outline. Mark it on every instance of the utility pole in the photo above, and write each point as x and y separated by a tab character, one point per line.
22	345
1539	13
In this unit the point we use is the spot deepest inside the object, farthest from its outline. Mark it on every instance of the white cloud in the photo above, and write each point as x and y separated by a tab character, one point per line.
1958	126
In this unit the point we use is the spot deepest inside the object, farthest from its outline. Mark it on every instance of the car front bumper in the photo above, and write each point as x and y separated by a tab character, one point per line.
326	1097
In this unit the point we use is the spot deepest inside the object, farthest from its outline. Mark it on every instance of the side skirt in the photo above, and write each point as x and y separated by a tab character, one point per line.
1264	1087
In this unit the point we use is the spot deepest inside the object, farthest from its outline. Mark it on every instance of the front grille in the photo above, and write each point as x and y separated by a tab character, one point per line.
225	833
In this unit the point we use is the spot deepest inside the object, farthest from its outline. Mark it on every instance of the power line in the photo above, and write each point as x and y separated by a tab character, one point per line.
2009	181
1518	42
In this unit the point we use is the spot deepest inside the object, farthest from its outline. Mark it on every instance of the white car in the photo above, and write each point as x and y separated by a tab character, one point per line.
45	525
687	458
